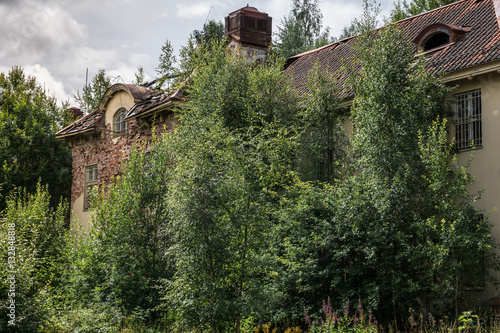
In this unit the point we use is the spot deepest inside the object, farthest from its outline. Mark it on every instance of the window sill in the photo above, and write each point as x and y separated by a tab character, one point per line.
461	150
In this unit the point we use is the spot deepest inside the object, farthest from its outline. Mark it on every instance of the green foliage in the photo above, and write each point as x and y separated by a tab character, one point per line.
197	48
122	258
29	151
366	23
301	29
165	68
139	76
321	137
88	100
232	153
469	322
402	227
38	240
403	9
419	204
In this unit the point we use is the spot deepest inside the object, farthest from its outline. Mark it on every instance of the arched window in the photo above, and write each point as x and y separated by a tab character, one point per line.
436	40
120	125
438	35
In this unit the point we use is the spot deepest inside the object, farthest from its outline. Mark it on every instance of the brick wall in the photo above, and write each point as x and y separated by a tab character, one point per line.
109	153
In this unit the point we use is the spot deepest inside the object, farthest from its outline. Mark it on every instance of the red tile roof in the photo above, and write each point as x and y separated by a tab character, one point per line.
152	102
474	20
90	121
475	41
145	100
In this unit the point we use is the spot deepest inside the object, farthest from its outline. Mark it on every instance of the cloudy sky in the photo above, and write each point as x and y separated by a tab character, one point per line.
57	40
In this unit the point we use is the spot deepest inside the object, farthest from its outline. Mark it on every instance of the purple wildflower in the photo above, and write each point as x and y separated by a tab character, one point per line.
306	317
346	309
327	309
360	308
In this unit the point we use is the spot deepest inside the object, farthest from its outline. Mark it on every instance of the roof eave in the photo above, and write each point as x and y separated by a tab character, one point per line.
85	131
162	107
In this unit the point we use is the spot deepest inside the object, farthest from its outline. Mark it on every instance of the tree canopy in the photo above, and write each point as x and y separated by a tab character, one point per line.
91	94
404	9
300	30
29	151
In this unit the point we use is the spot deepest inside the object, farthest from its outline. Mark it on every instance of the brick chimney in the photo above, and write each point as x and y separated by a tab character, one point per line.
75	113
250	31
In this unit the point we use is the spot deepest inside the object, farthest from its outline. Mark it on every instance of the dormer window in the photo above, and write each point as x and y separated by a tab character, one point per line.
439	35
120	125
436	40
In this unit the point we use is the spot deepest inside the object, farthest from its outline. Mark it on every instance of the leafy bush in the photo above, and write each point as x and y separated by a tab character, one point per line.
33	234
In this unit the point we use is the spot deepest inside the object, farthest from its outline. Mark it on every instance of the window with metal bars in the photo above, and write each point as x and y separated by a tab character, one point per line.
90	183
468	127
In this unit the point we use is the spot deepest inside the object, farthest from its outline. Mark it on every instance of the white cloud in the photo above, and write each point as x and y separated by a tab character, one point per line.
45	78
336	22
200	9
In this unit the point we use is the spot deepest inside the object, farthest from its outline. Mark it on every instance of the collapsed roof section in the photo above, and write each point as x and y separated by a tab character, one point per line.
147	102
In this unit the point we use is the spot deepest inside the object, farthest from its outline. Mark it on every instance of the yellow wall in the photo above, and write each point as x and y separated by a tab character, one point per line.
485	166
79	216
120	99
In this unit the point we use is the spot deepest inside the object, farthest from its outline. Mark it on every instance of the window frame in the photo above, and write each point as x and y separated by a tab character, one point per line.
91	177
120	125
467	108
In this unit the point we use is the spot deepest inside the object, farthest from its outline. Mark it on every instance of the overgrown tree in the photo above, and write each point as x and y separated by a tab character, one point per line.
400	230
367	22
29	151
404	9
122	260
88	100
301	29
165	68
197	47
322	140
139	76
232	154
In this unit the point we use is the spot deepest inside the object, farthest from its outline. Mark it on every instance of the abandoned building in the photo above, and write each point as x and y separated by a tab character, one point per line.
461	42
127	114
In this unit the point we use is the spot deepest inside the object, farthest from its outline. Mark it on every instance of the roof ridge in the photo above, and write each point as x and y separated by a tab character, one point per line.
343	40
432	10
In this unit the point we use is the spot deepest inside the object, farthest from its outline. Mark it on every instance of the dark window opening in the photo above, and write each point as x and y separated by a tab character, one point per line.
233	23
249	22
436	41
262	25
